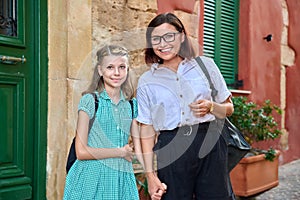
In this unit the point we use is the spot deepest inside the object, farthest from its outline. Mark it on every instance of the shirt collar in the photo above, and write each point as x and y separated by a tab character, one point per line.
104	95
184	66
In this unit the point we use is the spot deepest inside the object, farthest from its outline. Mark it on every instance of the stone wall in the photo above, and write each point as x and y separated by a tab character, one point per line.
69	33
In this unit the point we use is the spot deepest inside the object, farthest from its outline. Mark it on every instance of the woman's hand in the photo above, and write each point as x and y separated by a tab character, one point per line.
220	110
127	152
201	107
155	187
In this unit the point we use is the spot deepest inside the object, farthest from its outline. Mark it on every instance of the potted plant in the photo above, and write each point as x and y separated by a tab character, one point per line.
257	123
142	186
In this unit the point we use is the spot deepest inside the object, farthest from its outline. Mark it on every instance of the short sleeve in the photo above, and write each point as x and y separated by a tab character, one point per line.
87	104
144	112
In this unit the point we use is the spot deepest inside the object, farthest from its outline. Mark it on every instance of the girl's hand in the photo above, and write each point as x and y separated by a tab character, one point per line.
201	107
127	152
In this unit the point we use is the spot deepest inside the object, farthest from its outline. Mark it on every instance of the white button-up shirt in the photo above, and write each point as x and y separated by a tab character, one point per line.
164	96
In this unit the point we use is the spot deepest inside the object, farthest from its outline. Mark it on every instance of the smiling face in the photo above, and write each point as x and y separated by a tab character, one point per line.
114	70
166	41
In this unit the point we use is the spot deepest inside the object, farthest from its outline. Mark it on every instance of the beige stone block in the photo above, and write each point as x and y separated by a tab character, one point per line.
57	41
190	22
110	14
56	142
79	34
282	92
287	56
285	16
137	19
283	4
75	89
284	36
116	18
197	8
144	5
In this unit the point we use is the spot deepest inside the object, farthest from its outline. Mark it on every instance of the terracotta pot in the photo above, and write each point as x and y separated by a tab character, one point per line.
142	195
254	175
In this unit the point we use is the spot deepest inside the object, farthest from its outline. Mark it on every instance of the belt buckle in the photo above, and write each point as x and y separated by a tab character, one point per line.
189	132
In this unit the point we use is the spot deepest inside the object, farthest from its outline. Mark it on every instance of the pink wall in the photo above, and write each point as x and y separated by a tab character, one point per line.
293	82
171	5
259	60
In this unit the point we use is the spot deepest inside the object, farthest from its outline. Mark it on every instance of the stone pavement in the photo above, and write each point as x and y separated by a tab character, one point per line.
289	184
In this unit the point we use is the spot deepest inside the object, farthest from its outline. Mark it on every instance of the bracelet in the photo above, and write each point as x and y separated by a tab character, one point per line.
211	107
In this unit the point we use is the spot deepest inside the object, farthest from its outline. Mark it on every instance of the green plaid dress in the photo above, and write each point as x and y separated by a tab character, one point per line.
105	179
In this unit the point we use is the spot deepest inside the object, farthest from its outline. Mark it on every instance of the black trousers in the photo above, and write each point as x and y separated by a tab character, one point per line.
192	162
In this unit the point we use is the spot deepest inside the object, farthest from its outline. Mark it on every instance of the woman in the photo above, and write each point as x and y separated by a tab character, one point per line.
174	100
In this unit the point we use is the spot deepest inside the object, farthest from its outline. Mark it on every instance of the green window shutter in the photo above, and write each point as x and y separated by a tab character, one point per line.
220	38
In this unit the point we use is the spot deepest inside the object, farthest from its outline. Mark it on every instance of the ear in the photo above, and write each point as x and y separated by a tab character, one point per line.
182	37
99	70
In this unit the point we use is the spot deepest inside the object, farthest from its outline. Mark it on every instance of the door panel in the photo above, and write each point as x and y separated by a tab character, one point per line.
17	92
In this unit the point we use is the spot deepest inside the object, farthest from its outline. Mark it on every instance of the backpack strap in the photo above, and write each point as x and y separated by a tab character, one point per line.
96	102
131	104
72	152
214	92
96	108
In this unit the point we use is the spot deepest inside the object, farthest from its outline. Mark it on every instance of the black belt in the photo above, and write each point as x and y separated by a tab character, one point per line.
187	129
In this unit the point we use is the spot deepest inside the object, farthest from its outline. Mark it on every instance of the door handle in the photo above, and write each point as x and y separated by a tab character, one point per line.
12	60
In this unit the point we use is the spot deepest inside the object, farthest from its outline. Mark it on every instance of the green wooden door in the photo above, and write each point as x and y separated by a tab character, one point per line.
22	155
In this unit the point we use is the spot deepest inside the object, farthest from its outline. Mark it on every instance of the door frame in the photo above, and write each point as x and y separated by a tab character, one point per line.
41	98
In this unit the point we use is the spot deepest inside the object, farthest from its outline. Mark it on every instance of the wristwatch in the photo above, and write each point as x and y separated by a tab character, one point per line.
211	107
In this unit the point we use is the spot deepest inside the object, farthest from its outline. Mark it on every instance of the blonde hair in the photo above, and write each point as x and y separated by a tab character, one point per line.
97	83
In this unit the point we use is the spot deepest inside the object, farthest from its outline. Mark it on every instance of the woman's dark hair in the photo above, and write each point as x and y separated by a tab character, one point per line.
186	49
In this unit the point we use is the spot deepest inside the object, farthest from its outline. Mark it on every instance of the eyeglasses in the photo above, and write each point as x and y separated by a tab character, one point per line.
168	37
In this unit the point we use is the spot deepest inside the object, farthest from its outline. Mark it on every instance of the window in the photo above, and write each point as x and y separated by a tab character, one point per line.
220	38
8	18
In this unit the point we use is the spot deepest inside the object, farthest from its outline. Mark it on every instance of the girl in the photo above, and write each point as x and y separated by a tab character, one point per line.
174	100
103	169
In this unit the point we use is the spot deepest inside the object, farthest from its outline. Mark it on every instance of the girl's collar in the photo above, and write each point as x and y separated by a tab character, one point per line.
104	95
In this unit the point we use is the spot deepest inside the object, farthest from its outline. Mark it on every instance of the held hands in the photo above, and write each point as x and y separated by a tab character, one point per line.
201	107
155	187
159	193
127	152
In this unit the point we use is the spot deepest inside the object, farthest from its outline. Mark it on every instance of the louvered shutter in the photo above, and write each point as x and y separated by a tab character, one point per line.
220	38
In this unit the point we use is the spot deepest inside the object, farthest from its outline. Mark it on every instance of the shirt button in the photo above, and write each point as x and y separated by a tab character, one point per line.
181	95
177	79
182	113
118	127
116	109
